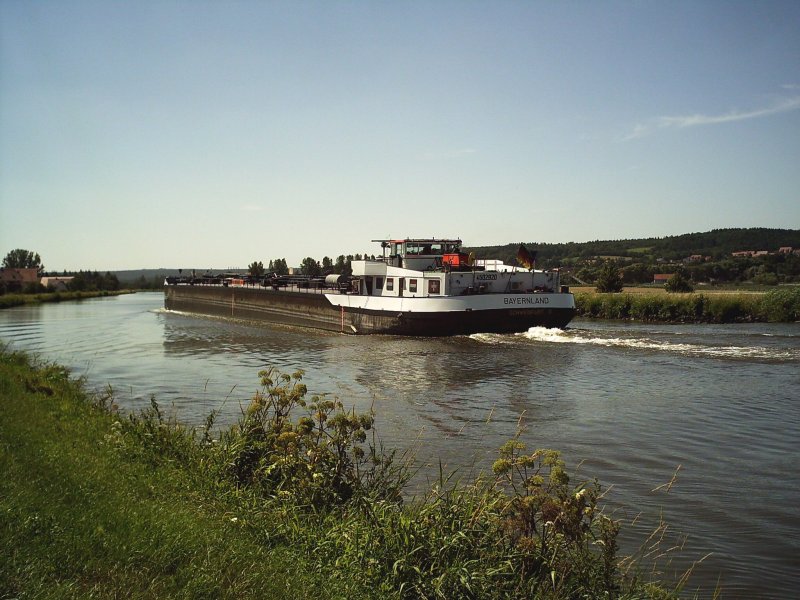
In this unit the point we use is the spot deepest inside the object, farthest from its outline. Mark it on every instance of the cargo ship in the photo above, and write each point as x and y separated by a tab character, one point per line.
417	287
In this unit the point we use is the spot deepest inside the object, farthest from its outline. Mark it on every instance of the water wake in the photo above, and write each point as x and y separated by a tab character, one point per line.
639	342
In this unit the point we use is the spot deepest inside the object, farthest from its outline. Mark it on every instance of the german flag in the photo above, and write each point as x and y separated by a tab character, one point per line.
526	258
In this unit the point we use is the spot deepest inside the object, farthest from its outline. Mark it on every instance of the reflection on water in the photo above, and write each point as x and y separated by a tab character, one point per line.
631	402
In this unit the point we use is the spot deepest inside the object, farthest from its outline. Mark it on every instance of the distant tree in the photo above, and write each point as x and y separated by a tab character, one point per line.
766	279
679	283
256	269
279	266
610	279
34	288
83	281
23	259
637	273
586	274
327	264
88	281
310	267
110	281
341	265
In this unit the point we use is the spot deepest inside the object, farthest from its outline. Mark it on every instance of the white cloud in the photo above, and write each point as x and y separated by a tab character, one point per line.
681	122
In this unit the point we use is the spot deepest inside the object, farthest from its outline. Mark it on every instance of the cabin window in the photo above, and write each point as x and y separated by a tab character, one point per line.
412	286
390	284
379	283
433	286
516	285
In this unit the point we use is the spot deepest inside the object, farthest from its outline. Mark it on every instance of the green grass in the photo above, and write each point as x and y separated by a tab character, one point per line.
79	518
9	300
96	504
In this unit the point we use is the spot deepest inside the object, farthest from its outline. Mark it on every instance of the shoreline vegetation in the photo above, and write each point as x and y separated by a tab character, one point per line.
647	304
297	500
779	305
9	300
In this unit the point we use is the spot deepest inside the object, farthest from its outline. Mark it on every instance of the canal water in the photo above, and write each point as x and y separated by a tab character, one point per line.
712	409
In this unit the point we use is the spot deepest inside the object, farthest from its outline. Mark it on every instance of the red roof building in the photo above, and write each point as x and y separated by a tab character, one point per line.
17	279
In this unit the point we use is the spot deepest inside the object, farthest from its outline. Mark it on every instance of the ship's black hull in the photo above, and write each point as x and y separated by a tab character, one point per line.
309	309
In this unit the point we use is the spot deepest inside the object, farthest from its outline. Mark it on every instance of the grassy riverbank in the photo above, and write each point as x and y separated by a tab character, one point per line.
79	518
97	504
9	300
654	304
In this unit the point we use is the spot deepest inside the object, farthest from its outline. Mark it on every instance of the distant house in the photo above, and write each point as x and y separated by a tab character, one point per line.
696	258
761	253
17	279
785	250
661	278
742	253
59	284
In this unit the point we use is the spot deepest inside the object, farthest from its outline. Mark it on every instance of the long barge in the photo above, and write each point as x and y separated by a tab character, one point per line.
418	287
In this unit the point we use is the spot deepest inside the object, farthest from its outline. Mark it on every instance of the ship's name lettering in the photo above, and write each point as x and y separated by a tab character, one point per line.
526	300
486	277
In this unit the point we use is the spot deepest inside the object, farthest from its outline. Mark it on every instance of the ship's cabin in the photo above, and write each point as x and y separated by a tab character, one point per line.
430	267
422	254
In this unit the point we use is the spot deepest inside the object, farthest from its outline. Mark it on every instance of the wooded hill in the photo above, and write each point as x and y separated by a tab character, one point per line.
719	244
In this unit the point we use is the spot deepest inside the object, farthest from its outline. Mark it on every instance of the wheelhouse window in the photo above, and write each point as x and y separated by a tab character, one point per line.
412	286
379	283
433	286
390	284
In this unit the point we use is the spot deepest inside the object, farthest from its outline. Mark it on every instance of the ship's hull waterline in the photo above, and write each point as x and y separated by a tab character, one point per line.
315	309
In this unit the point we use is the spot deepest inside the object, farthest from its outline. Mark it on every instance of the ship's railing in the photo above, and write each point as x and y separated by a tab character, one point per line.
293	284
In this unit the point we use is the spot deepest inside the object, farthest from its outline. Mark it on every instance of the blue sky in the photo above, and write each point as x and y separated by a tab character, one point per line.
211	134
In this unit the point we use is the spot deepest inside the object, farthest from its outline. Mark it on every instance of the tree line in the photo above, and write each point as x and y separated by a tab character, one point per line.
718	244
